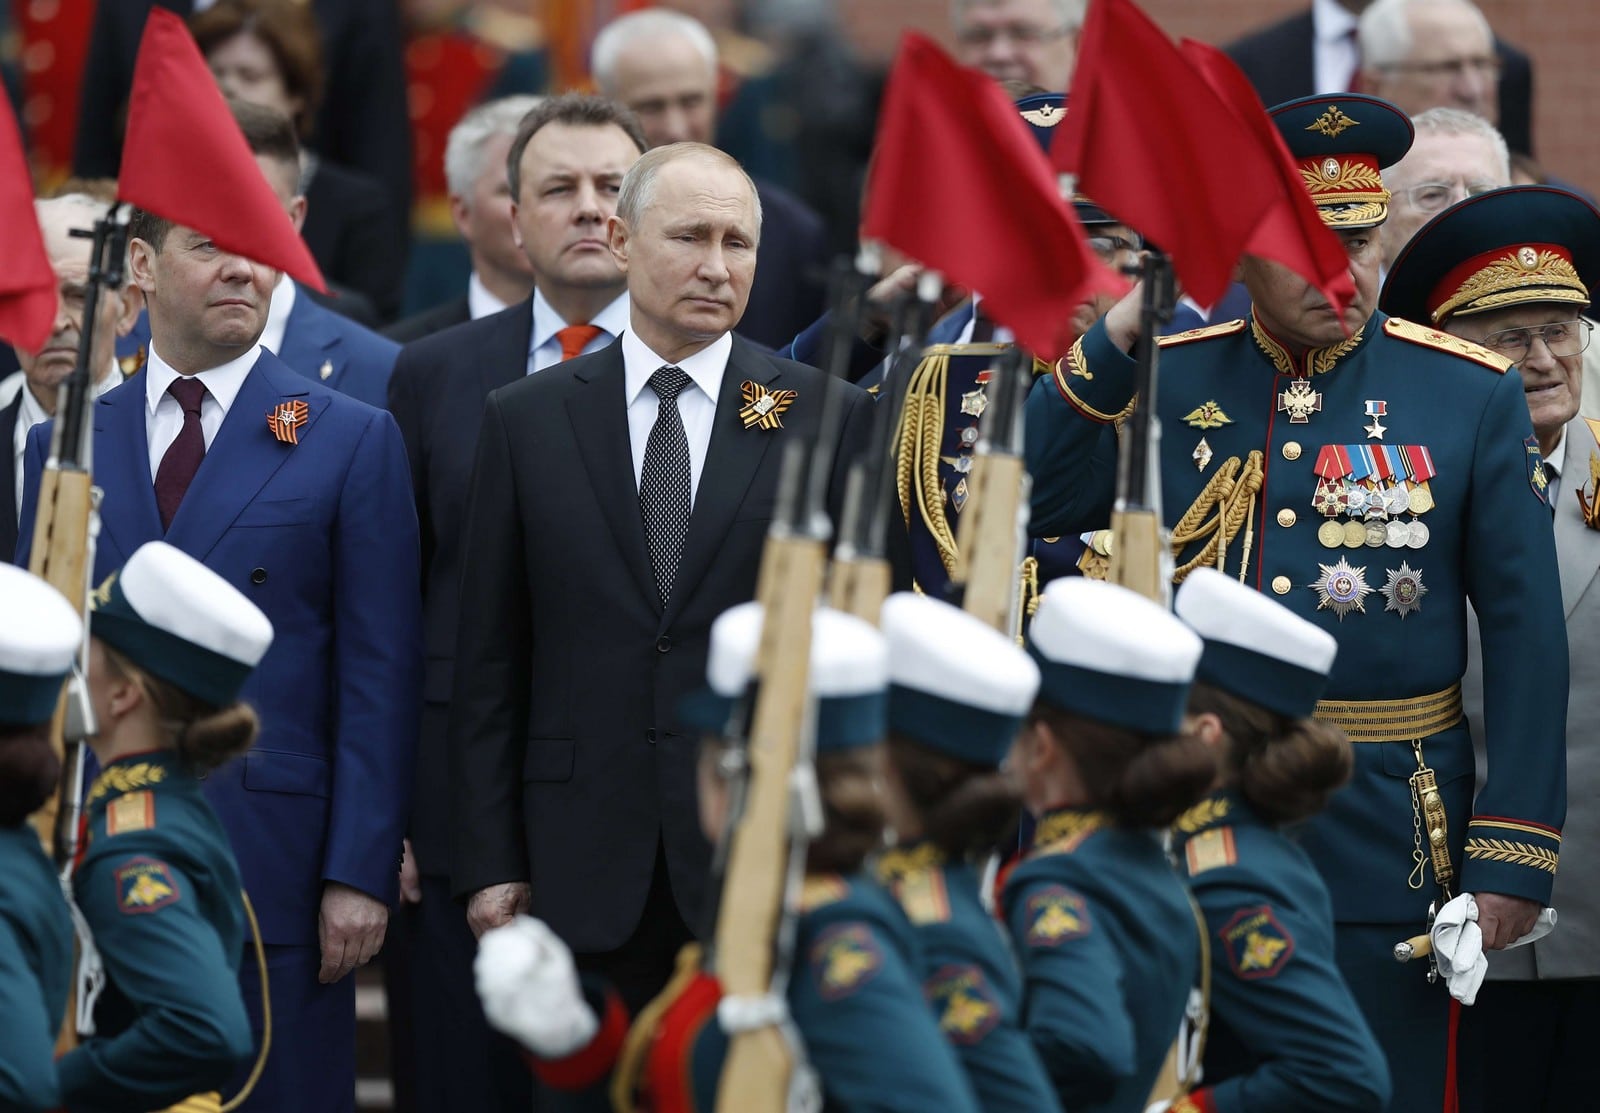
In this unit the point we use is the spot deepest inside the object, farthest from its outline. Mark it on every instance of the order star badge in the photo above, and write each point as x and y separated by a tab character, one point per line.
1299	401
763	407
1341	588
974	402
286	418
1404	591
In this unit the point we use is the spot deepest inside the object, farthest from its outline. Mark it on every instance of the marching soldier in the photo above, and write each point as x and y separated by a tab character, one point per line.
1285	1032
38	642
855	994
1373	474
172	643
1103	928
958	693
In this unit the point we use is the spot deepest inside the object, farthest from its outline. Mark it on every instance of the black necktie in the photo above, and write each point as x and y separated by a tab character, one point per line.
665	484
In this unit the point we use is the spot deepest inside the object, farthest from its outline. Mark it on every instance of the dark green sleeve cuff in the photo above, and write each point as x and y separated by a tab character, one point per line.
1095	377
1515	857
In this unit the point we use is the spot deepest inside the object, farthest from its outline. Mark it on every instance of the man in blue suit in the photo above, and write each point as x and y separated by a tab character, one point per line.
298	496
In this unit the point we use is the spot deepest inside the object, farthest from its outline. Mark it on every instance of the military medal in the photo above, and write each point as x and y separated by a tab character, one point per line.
1355	535
1397	534
962	464
1403	591
1329	501
1207	415
969	435
763	407
1395	501
1376	409
1202	454
1377	534
974	402
1419	534
958	497
1330	535
1299	401
1341	588
1419	500
286	418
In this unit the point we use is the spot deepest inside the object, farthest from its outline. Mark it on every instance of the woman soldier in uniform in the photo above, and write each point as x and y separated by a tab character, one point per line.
1285	1032
854	994
1105	932
172	642
958	694
38	641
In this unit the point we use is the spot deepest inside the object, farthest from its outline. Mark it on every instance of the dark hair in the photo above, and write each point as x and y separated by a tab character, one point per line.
204	736
1142	780
582	110
147	226
29	770
267	131
852	811
965	809
1287	768
288	30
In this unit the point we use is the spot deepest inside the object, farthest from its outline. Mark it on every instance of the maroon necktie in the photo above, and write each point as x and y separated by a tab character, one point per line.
184	455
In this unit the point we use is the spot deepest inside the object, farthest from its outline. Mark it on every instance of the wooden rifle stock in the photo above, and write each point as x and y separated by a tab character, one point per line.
992	535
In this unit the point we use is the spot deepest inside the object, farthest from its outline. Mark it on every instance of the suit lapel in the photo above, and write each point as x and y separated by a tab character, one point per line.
242	457
1577	546
122	448
598	410
732	460
311	345
505	351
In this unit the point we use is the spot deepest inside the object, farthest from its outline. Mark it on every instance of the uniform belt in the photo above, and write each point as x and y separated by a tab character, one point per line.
1394	720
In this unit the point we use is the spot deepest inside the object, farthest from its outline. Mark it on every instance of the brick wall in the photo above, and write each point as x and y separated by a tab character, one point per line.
1560	35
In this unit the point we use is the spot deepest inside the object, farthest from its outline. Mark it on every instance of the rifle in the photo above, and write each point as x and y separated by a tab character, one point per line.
1140	557
766	851
859	579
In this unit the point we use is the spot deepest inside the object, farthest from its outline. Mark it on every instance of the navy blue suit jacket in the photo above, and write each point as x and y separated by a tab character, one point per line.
322	536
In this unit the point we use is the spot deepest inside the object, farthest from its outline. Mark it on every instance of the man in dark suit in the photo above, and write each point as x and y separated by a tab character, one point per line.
619	504
1316	51
298	496
480	205
663	65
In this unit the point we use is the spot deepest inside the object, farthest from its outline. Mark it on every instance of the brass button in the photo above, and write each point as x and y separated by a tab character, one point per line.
1291	450
1280	585
1286	517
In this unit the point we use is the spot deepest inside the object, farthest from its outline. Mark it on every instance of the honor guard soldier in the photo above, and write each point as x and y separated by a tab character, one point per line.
1103	928
855	994
171	645
1372	474
38	642
1514	270
1285	1032
958	693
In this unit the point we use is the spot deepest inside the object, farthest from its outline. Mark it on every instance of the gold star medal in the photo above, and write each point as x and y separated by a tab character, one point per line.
763	407
1403	590
1341	588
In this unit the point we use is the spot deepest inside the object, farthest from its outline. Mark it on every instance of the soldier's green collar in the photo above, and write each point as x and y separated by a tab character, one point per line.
133	772
1064	829
1314	362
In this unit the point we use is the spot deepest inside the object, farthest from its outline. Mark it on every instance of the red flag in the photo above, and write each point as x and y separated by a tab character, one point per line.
27	281
1291	232
1152	145
959	184
185	159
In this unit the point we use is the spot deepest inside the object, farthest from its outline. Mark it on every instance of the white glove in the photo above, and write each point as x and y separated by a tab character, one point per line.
1458	948
529	989
1543	926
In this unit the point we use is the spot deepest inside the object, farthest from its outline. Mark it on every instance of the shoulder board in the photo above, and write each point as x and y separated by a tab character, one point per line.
818	892
923	896
132	811
1226	328
1444	342
1210	850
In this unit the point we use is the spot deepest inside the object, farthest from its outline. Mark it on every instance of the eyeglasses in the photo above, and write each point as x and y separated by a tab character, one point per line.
1450	67
1433	197
1109	247
1022	34
1564	338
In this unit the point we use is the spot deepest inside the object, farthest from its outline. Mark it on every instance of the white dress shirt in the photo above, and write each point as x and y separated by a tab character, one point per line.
544	350
1002	335
697	403
1335	55
1554	464
282	304
480	302
163	417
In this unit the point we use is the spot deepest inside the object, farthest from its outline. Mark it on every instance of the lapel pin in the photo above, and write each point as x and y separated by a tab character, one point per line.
285	420
326	370
763	407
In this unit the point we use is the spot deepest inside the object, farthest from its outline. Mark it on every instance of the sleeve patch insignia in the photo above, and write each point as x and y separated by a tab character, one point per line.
145	885
1257	945
1210	850
963	1002
1536	476
135	811
1056	914
843	959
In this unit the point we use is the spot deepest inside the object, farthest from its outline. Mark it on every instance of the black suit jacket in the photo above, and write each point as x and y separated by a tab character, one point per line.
363	121
349	230
437	394
568	763
1280	61
8	476
789	290
430	321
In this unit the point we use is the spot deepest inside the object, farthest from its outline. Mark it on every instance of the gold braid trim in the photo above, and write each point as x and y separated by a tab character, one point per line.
921	439
1233	500
1515	853
1491	285
628	1075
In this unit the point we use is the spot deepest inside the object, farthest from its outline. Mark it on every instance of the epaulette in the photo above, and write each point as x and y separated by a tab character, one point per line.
818	892
1444	342
1189	336
917	882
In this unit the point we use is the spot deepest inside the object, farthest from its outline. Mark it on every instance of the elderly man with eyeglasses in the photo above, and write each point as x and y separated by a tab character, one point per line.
1512	270
1032	41
1456	155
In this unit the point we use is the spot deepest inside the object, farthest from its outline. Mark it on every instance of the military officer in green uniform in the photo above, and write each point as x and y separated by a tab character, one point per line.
1103	928
855	993
1373	474
1285	1034
39	640
958	694
171	645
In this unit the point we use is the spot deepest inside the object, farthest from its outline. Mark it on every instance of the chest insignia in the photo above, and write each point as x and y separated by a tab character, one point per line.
134	811
1342	588
1403	591
286	418
844	959
1257	945
145	885
1207	415
1056	914
964	1003
1299	401
764	407
1202	454
1376	408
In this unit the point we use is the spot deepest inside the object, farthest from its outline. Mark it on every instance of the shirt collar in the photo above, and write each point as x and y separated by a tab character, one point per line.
1557	460
480	302
613	319
706	367
278	310
32	413
1331	21
222	382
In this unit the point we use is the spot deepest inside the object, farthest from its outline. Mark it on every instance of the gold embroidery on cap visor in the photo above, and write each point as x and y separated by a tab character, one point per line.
1348	192
1512	280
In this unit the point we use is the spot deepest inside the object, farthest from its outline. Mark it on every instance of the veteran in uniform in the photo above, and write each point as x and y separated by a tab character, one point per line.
1514	269
38	642
172	644
1374	475
855	993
